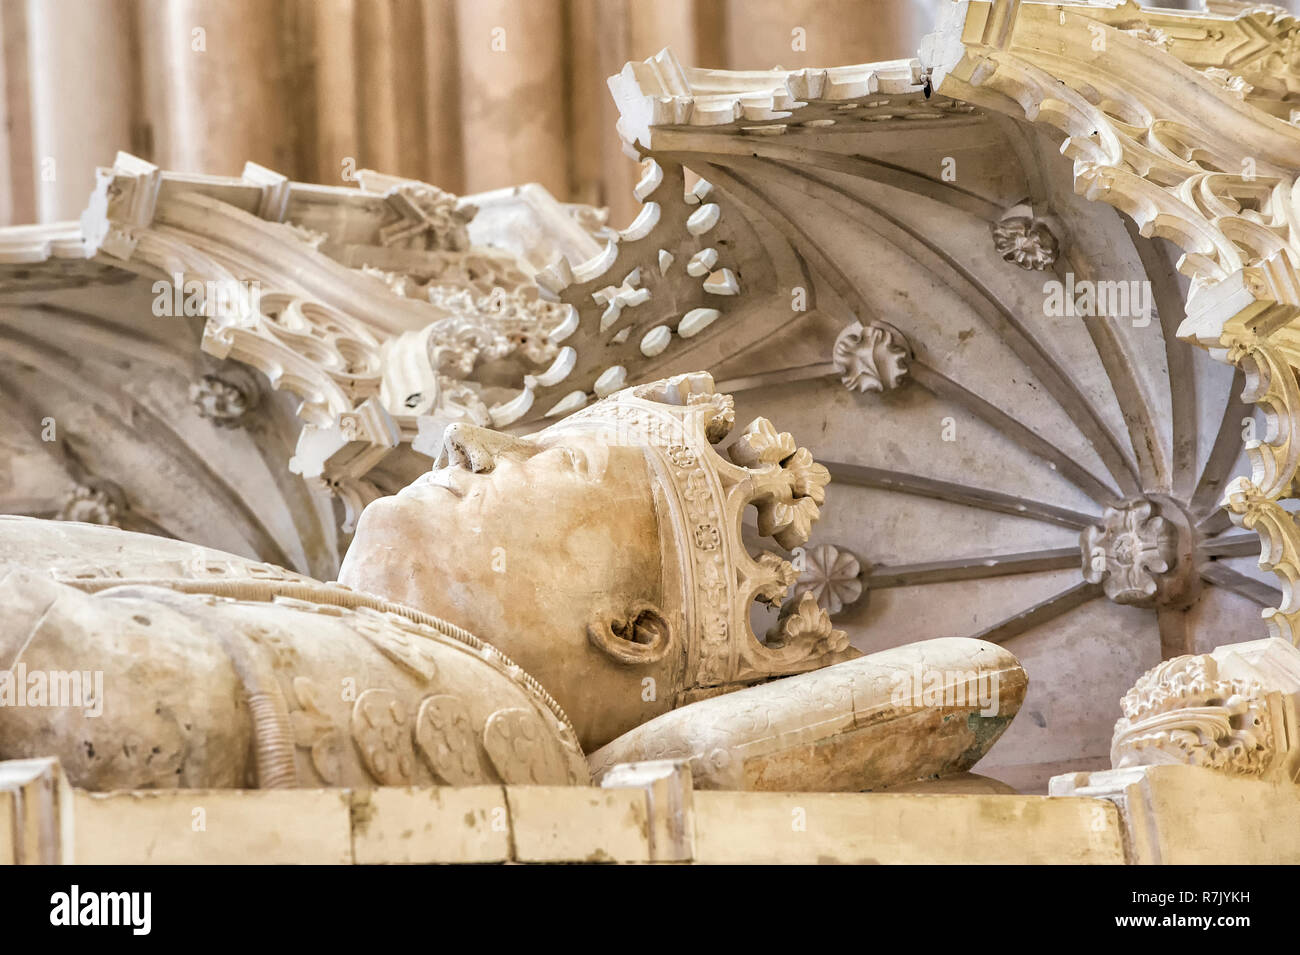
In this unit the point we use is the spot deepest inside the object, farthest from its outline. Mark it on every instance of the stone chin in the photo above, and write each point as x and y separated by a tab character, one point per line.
551	551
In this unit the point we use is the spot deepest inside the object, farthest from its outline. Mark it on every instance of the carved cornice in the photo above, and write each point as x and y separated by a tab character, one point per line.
661	92
40	243
369	350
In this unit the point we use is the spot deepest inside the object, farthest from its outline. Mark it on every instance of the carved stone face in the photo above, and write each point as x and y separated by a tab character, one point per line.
549	549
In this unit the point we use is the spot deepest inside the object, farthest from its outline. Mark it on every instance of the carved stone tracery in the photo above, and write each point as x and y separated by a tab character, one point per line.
372	331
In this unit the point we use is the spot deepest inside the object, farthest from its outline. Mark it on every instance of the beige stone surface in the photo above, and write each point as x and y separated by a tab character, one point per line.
218	827
814	828
392	825
571	825
965	783
1192	815
670	807
1141	815
8	827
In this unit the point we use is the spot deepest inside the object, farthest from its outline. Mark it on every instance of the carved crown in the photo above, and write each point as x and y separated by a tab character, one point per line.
678	420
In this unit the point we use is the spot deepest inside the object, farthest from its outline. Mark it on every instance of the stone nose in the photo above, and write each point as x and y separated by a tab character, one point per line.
477	449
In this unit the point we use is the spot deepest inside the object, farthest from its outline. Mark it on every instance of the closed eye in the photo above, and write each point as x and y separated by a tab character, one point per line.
579	461
574	459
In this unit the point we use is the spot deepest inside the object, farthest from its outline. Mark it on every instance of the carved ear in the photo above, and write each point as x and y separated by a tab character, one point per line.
641	636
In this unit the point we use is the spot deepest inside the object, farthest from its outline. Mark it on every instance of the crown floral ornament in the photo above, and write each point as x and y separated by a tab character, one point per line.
677	421
786	512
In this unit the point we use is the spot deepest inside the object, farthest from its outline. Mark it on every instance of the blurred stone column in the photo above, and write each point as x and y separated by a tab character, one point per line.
792	34
81	79
512	93
386	90
17	203
333	26
604	35
376	42
445	166
215	84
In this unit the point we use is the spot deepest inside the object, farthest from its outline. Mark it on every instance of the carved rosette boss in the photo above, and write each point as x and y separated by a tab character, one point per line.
833	576
1129	552
1025	240
871	357
225	398
88	504
1142	554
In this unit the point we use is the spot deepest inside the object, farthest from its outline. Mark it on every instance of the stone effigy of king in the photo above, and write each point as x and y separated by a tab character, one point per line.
532	610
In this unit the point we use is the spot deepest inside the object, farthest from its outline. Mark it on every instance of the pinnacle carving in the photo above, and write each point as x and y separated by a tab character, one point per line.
804	623
1185	711
430	219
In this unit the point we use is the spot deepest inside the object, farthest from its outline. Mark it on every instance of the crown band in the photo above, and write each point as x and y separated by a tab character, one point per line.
677	421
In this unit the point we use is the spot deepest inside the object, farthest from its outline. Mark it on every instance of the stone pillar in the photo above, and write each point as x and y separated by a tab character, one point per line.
604	35
336	128
81	76
513	91
215	84
376	40
17	204
444	162
763	34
